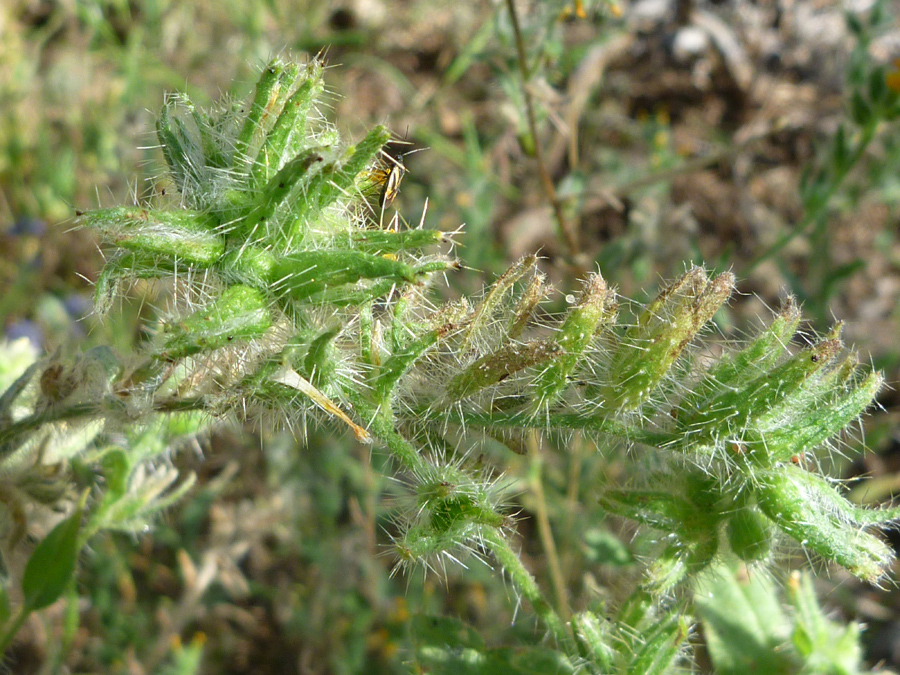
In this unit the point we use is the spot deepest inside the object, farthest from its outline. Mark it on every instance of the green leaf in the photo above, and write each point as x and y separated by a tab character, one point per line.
52	564
787	495
743	623
177	145
741	408
5	612
301	275
661	647
391	241
809	419
239	313
184	234
289	133
738	369
860	109
602	547
275	85
840	149
594	635
747	631
878	89
854	24
750	535
444	646
402	360
295	177
116	468
826	646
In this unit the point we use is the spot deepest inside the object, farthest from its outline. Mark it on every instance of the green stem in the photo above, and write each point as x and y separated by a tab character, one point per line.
657	439
526	585
13	628
34	422
381	427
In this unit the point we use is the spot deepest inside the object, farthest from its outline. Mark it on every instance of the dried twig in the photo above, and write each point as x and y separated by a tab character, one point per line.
565	228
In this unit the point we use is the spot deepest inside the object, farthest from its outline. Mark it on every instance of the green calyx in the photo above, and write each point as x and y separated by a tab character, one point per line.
270	236
649	349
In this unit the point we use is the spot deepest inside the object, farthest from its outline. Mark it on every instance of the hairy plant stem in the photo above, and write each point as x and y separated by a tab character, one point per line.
552	421
13	431
382	428
523	580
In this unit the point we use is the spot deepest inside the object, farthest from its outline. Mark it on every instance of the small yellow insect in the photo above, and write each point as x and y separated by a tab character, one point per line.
391	185
388	176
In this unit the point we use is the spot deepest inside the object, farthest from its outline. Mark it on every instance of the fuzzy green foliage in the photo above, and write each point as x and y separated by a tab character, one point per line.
748	631
641	639
287	299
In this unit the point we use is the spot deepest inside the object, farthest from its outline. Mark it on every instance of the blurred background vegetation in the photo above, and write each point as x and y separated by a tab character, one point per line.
716	131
